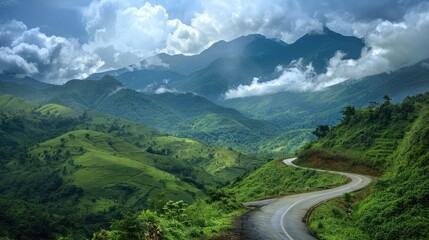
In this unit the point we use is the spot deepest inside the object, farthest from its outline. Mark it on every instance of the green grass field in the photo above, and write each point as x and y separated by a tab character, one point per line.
108	169
277	179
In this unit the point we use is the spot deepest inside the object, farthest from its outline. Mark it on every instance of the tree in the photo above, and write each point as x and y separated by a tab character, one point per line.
385	110
348	113
175	210
387	100
321	131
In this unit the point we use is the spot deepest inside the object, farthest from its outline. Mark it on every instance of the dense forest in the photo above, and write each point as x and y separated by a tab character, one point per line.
383	139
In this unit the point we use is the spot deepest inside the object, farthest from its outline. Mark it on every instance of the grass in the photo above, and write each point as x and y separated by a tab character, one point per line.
277	179
16	104
287	142
101	164
56	110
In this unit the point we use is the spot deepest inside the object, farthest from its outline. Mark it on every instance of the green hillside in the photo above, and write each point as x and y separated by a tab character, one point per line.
69	172
56	110
11	103
392	139
106	167
276	179
184	115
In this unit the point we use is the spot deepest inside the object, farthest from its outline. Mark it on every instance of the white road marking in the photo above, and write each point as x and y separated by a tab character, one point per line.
289	162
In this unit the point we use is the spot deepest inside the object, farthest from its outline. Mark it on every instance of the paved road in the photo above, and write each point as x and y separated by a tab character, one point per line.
281	218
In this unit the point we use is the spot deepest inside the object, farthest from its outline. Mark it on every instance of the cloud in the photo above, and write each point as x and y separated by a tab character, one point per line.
124	32
164	89
149	63
50	58
226	20
389	46
296	77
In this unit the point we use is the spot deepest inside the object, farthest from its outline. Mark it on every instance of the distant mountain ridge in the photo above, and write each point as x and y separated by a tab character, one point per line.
227	64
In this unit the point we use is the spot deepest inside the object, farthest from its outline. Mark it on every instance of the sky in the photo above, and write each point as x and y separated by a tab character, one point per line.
58	40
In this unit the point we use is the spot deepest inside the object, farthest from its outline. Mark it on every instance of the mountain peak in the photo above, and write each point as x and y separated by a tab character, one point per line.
105	82
111	80
326	35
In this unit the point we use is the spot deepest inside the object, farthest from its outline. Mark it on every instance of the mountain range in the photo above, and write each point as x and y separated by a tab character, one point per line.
183	95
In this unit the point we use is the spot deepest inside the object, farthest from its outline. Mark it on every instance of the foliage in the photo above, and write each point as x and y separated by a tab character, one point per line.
176	220
397	207
275	178
67	173
321	131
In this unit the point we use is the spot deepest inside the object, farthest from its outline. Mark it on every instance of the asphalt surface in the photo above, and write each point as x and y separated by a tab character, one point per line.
282	218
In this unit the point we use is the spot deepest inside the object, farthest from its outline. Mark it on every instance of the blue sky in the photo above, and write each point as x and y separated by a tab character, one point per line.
56	40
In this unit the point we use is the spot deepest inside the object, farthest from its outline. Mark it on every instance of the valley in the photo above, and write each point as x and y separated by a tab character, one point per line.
193	146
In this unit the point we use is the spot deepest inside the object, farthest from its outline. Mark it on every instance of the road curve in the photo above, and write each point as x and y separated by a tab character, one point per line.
282	218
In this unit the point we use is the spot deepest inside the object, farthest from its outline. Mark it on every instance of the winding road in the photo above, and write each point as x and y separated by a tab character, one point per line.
282	218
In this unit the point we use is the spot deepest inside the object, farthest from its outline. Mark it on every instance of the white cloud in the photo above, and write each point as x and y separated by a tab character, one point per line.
296	77
149	63
49	58
226	20
389	46
124	32
164	89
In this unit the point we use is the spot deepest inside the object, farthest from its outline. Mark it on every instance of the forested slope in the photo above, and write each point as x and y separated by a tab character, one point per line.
392	140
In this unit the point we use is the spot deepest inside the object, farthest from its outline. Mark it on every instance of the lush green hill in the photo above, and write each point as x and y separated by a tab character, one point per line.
107	168
185	115
392	139
66	171
276	179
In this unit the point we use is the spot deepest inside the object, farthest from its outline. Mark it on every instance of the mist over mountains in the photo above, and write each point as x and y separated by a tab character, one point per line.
243	93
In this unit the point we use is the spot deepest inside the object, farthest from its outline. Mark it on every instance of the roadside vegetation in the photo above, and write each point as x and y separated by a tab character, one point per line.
277	179
386	138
